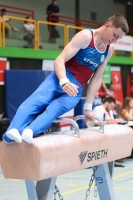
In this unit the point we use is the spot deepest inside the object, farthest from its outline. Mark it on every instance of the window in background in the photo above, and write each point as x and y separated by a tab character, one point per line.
93	16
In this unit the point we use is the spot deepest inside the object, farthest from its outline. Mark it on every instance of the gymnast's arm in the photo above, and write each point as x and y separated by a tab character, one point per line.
95	83
80	40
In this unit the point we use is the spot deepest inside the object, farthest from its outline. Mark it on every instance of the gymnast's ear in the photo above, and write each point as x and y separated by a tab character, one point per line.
107	24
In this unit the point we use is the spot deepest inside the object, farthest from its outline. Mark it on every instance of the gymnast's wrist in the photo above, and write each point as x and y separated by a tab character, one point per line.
87	106
63	81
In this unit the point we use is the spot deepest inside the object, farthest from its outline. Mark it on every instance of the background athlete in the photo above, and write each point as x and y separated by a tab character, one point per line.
84	57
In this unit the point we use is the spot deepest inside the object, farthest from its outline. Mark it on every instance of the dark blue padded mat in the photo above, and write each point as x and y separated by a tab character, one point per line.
20	84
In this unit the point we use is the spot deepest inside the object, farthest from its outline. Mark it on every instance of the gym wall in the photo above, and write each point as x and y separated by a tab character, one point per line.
67	8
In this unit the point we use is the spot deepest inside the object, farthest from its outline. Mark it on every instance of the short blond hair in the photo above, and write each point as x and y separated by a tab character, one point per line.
119	21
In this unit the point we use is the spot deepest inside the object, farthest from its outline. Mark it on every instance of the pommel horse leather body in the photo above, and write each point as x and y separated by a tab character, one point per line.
55	154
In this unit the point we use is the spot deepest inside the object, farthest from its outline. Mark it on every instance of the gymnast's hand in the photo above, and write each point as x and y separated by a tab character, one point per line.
89	115
71	89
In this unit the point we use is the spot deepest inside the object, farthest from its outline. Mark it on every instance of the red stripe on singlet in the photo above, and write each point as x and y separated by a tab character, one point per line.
92	41
80	72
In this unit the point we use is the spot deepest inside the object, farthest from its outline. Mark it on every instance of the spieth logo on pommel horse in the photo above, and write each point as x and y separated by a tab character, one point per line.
92	155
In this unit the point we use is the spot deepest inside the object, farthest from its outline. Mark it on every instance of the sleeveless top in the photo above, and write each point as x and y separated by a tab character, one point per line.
131	113
85	62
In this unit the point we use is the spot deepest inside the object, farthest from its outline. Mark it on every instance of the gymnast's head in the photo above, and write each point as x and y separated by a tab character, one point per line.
114	28
118	21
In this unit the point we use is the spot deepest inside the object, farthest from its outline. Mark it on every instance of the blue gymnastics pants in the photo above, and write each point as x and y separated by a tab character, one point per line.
44	106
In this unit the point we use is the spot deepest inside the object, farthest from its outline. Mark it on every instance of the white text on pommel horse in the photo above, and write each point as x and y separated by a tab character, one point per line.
97	155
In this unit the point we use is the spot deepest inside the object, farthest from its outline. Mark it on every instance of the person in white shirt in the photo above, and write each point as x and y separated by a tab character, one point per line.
29	32
104	111
111	113
8	25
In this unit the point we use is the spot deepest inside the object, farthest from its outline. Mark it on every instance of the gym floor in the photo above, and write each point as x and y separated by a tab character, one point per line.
73	186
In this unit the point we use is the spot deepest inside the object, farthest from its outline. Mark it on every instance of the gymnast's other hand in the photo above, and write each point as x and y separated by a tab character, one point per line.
70	88
89	115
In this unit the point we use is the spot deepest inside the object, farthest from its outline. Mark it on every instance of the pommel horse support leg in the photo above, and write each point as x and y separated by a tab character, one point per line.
55	154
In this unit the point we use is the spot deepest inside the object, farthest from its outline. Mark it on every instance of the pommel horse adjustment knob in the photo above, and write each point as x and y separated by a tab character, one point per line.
75	125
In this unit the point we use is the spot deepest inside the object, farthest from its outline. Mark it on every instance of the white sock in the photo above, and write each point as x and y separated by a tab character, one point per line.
27	135
14	135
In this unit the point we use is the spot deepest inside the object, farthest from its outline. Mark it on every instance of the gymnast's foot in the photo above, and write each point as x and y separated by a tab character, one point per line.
27	135
13	134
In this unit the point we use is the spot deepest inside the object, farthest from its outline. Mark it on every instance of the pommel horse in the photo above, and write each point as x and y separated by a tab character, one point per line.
55	154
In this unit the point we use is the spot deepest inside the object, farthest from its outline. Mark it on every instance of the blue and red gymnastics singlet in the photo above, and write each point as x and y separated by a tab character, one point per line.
86	61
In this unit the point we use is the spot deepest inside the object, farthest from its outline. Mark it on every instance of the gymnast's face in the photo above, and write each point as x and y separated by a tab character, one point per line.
112	34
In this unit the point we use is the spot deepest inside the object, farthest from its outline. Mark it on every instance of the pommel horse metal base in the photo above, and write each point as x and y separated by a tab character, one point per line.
41	163
45	188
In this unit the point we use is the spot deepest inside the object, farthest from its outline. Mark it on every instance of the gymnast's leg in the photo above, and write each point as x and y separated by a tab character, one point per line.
33	106
56	108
